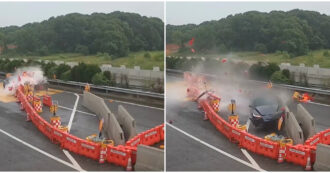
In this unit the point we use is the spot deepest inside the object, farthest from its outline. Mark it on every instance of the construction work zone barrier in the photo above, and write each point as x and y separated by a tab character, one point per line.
119	155
297	154
47	100
292	128
322	162
149	159
306	120
111	126
55	121
127	122
322	137
149	137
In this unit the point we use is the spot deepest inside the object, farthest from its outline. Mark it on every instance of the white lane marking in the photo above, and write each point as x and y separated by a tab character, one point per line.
41	151
63	107
217	149
73	112
249	157
321	104
136	104
73	161
248	125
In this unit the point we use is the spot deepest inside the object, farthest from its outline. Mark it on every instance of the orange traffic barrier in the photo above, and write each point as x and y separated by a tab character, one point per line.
297	154
47	100
90	149
236	135
151	137
249	141
326	137
268	148
117	155
71	142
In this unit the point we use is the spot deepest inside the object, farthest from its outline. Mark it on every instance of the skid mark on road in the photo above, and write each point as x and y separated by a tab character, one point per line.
216	149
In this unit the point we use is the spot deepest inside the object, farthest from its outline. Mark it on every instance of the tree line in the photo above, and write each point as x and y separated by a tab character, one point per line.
116	33
295	32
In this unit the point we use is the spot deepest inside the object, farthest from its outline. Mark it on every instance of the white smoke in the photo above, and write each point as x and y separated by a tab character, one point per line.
31	75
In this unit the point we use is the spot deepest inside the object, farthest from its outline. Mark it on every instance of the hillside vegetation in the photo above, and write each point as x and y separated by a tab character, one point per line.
116	34
295	32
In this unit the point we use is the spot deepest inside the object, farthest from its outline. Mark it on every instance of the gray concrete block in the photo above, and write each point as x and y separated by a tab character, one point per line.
111	126
292	128
322	162
127	122
306	121
149	159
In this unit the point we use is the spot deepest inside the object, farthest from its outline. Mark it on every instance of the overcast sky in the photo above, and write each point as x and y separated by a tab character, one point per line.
20	13
178	13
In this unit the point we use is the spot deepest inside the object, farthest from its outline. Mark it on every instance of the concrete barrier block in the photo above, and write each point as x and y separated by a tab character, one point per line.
149	159
111	126
292	128
127	122
322	162
306	121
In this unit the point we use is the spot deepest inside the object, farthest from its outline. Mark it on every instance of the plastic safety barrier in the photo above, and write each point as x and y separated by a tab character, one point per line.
118	155
268	148
71	143
297	154
89	149
47	100
249	141
321	137
151	137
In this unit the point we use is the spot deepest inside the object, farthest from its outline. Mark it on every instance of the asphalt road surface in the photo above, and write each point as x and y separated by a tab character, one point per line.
196	145
24	148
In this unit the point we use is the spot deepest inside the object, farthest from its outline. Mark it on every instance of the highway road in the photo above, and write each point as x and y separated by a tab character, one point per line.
24	148
196	145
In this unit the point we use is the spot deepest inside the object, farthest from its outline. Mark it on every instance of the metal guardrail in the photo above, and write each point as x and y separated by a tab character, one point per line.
108	88
105	88
291	87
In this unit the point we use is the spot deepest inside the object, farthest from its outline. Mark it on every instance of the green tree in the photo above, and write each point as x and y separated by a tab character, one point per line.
279	77
100	79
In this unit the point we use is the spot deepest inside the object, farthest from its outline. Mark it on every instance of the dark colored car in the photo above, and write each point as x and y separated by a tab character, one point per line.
266	110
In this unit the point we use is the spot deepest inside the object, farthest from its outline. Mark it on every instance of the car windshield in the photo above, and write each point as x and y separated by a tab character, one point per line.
264	101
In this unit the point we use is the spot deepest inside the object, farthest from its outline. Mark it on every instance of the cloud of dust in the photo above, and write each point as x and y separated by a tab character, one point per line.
233	83
32	75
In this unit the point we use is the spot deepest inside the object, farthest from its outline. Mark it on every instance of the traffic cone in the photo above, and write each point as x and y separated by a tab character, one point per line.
129	165
308	165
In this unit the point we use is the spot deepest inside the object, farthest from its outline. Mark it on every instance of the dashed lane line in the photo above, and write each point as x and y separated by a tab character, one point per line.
216	149
41	151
